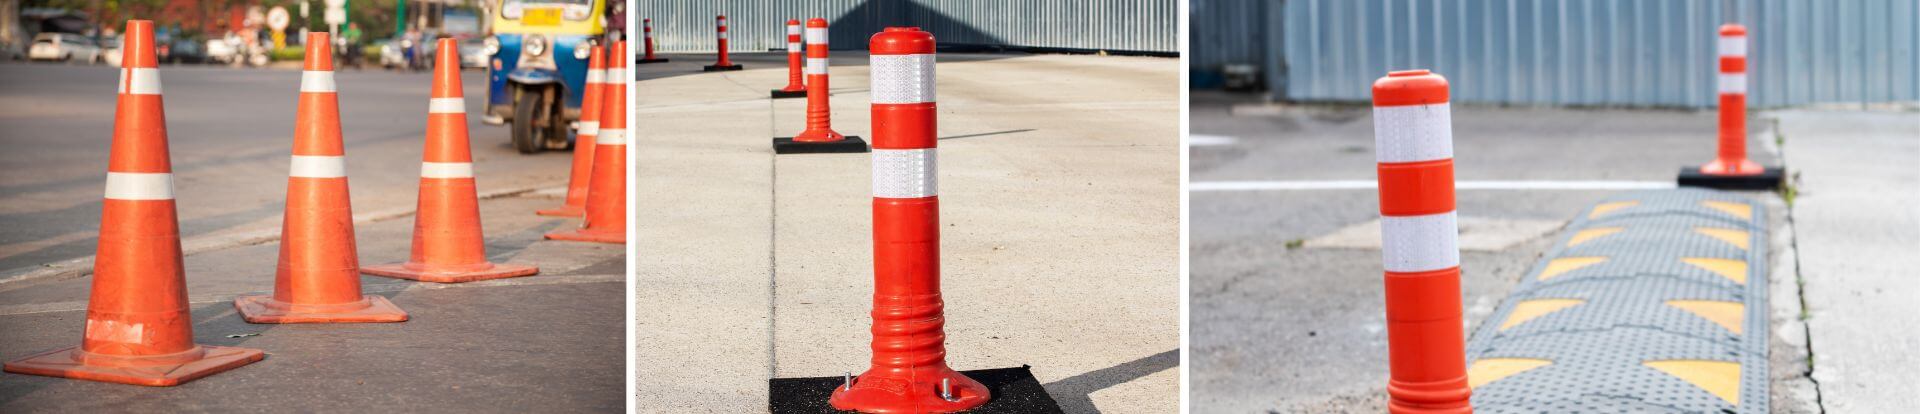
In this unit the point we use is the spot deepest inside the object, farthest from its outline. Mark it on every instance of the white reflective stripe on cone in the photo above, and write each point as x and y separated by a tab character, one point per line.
1733	83
816	66
139	186
446	170
901	79
1412	133
446	106
589	127
1419	243
616	75
611	136
596	76
1733	46
316	81
140	81
816	35
318	166
905	173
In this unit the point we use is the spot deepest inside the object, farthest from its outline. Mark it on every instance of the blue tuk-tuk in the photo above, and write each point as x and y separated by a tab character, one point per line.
537	70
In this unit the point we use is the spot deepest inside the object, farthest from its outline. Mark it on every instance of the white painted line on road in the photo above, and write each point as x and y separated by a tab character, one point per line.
1459	185
1200	140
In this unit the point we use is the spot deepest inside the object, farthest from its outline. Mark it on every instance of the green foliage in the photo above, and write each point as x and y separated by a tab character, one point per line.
290	53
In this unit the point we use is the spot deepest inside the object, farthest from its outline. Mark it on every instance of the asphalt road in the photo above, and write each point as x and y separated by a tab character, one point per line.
1278	324
230	132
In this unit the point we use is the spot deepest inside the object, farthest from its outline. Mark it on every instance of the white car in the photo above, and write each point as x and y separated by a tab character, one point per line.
64	47
222	50
110	51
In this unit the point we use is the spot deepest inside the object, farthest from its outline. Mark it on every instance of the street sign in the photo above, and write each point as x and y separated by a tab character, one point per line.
278	18
336	12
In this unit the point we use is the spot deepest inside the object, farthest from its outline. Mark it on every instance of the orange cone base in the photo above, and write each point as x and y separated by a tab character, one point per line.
849	144
564	211
263	309
1758	178
653	60
152	371
718	68
426	273
788	93
596	236
873	394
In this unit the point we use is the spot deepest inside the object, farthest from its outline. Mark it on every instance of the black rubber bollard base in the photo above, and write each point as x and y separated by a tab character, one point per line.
780	94
654	60
718	68
1769	178
786	145
1015	390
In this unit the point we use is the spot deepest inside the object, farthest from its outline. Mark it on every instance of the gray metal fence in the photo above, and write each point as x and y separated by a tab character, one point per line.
758	25
1589	52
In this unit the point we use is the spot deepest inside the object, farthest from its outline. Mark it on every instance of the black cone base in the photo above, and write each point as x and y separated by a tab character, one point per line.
852	144
1015	390
718	68
1769	178
780	94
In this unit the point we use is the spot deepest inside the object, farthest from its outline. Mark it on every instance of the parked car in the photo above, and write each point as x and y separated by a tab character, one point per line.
110	51
473	53
63	47
220	50
186	50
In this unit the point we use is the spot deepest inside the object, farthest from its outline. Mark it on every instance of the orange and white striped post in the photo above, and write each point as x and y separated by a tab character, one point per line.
909	372
1730	167
724	64
576	200
1426	345
606	220
795	86
646	32
819	136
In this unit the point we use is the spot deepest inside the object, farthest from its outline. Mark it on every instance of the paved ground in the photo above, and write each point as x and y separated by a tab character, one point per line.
1278	324
1059	193
1856	225
546	342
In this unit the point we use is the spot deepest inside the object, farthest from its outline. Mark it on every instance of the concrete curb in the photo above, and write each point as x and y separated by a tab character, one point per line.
80	267
80	305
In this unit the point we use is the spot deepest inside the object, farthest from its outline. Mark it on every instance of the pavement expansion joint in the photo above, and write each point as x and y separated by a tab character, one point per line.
1653	301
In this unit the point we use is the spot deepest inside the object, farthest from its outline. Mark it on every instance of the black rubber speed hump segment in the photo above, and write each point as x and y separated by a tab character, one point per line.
1015	390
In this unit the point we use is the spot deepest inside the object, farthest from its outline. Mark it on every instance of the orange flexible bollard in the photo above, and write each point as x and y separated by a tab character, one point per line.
448	244
646	31
318	277
576	201
819	136
795	86
1426	342
909	371
606	220
139	329
1730	168
723	64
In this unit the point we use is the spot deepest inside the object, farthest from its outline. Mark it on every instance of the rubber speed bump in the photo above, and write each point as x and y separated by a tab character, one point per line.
1653	302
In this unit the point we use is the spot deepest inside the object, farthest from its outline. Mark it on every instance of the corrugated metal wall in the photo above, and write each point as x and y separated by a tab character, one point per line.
758	25
1225	32
1600	52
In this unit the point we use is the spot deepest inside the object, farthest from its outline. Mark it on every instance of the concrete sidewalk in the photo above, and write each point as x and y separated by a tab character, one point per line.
1059	194
546	342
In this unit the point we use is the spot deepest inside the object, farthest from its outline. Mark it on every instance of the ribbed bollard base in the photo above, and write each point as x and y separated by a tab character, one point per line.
1014	390
1769	178
780	94
718	68
852	144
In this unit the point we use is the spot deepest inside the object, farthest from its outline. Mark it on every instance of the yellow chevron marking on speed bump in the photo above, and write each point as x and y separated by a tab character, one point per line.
1488	370
1742	210
1726	314
1722	379
1526	310
1604	208
1568	264
1735	270
1737	238
1594	233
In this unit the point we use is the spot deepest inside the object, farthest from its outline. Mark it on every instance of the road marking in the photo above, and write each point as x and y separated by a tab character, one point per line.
1459	185
1199	140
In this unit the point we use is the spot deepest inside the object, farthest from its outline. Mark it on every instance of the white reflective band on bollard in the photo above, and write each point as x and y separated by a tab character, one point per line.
1733	83
316	81
816	35
139	186
589	128
611	137
793	30
723	35
318	166
905	173
446	170
901	79
1733	46
816	66
1419	243
140	81
446	106
793	47
1412	133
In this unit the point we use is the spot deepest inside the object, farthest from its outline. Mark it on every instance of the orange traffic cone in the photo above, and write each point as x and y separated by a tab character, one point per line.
139	330
318	278
448	246
607	193
576	204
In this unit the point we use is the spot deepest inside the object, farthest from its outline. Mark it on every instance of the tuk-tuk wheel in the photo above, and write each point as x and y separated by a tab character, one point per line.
530	118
